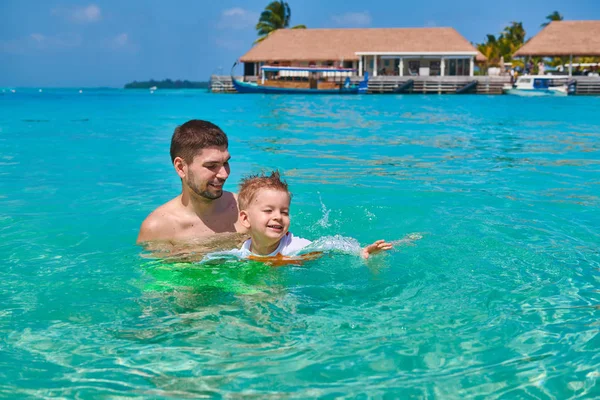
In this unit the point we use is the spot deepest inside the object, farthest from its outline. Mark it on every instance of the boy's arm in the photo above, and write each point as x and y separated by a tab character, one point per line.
378	246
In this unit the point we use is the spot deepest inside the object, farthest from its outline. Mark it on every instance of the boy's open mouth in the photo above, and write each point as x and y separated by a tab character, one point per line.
276	227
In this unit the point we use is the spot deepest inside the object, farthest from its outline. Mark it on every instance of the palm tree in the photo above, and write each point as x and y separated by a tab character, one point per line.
502	47
555	16
276	15
515	33
511	39
490	50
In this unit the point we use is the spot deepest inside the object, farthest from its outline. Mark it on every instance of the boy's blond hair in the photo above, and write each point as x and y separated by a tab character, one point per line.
250	185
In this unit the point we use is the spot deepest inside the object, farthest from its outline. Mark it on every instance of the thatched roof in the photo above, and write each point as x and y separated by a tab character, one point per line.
564	38
343	44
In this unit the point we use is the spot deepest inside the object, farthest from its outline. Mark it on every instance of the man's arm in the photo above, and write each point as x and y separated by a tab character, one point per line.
159	225
150	230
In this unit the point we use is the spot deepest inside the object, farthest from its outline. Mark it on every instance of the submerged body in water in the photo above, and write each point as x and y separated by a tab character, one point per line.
230	246
192	250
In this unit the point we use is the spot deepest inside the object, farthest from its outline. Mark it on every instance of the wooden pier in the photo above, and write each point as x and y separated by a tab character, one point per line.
223	83
438	84
583	85
587	85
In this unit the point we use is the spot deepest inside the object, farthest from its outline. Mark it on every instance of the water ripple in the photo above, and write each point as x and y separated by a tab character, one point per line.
492	290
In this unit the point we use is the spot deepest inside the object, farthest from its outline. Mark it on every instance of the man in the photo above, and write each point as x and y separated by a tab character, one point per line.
201	159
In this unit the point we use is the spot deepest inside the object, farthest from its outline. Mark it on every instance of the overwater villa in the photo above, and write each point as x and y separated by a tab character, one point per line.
403	60
568	39
564	39
396	60
378	51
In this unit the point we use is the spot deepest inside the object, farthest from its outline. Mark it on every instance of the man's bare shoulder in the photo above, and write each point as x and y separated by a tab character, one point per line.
234	208
230	200
162	223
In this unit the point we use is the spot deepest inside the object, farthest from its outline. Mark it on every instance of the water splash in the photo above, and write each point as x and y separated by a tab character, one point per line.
337	243
324	221
408	240
348	245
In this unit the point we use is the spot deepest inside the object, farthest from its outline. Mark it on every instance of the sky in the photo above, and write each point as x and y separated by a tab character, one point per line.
107	43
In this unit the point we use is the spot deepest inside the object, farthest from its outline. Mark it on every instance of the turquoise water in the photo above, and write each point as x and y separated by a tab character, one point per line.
497	294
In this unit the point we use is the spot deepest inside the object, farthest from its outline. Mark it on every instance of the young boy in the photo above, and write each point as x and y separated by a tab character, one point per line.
264	203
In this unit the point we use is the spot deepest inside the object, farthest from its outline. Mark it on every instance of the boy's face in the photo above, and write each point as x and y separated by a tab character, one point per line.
267	217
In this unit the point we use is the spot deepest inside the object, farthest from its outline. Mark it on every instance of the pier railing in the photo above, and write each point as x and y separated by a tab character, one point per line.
587	85
439	84
584	85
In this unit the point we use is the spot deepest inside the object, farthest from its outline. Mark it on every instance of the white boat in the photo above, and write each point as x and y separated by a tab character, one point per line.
153	88
537	85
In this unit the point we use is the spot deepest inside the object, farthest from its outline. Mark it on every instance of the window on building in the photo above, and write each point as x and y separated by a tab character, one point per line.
435	68
413	67
460	67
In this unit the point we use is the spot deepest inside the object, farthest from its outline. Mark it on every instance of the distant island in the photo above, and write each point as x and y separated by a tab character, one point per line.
166	84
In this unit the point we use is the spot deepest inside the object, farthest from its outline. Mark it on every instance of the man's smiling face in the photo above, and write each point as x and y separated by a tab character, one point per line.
208	172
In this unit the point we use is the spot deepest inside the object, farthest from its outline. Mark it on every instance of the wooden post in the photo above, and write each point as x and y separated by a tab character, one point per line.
401	67
360	66
442	66
472	66
374	65
571	65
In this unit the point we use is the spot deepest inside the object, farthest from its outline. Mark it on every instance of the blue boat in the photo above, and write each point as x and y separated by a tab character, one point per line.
538	85
314	77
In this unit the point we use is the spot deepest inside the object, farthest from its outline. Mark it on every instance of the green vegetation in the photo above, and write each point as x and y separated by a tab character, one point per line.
167	84
277	15
555	16
500	49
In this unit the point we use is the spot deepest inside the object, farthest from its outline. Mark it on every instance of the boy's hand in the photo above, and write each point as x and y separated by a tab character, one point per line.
378	246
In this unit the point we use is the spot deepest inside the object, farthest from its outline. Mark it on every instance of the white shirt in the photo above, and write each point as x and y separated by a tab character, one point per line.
289	245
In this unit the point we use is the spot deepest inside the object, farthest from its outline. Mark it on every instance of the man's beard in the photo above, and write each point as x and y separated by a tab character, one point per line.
202	193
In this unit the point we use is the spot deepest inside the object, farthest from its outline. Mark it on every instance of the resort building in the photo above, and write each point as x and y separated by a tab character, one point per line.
564	39
378	51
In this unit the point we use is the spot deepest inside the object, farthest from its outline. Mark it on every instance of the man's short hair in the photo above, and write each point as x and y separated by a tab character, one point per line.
251	185
193	136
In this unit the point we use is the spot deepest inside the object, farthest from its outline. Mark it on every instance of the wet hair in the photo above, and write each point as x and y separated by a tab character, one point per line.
251	185
193	136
